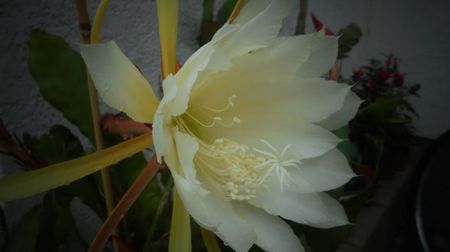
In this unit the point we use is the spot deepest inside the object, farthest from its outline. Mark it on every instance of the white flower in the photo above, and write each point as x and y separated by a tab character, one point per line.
244	127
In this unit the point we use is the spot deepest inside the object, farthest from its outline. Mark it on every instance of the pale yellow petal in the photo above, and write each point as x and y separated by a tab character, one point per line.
119	82
313	209
323	173
259	31
273	234
214	212
322	55
344	115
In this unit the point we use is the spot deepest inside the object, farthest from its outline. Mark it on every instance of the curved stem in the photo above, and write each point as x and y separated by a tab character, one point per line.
124	205
28	183
237	8
210	240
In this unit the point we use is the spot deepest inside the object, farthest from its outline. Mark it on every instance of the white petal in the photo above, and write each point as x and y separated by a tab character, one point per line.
119	82
322	55
206	58
259	31
162	127
214	212
187	147
250	10
344	115
272	233
313	99
319	174
313	209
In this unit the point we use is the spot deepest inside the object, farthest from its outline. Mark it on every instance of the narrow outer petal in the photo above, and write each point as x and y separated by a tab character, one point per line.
119	82
272	233
259	31
313	209
344	115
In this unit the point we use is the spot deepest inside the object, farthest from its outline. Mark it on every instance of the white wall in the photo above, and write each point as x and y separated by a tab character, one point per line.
417	31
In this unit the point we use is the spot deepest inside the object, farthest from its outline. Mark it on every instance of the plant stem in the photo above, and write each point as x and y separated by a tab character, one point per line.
301	21
83	21
124	204
237	8
210	240
94	37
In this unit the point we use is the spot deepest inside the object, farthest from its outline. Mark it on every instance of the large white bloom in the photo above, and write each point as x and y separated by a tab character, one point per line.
244	127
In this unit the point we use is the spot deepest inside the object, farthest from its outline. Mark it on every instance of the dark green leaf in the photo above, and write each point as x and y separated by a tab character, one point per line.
325	240
61	75
414	89
60	145
225	11
380	109
349	37
345	146
24	234
58	231
56	146
208	10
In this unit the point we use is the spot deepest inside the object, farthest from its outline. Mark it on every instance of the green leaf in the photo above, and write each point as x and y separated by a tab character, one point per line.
56	146
325	240
225	11
24	234
345	146
208	10
61	75
380	109
58	231
414	89
60	145
349	37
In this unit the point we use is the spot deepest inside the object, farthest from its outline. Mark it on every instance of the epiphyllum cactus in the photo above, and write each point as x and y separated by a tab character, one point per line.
244	126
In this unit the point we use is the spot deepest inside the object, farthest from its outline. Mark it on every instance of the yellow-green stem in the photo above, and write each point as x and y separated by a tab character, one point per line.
180	227
95	37
237	8
210	240
32	182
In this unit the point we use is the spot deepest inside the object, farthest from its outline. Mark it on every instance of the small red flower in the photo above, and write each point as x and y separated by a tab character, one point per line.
383	74
370	85
357	75
398	79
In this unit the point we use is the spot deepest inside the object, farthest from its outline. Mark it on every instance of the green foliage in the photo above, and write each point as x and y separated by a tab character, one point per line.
345	146
225	11
209	24
348	38
60	145
208	10
61	75
380	109
23	236
56	146
138	219
49	226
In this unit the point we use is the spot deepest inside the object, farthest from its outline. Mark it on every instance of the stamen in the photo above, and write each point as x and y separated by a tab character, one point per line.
229	105
277	163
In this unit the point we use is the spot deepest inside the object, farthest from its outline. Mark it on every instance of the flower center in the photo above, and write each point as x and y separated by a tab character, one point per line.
234	168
